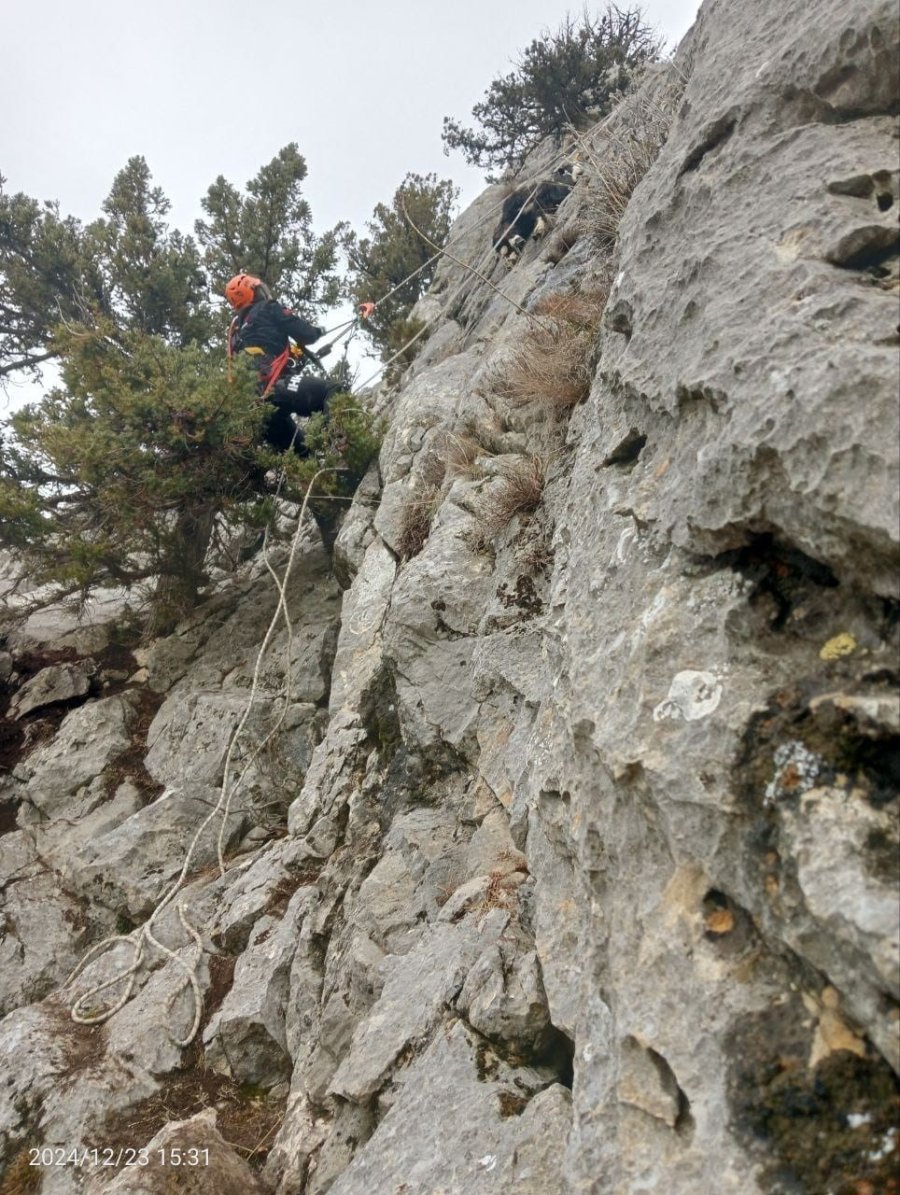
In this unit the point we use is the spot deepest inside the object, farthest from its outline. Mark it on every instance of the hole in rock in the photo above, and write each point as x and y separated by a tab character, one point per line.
717	134
558	1052
628	451
7	817
784	573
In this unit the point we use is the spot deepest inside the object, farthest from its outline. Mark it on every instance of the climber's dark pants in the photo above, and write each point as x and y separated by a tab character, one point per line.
309	397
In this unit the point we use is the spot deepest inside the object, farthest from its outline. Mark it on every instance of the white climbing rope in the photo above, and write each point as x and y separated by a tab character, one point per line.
82	1011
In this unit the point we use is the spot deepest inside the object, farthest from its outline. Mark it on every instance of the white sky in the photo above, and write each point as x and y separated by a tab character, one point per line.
208	87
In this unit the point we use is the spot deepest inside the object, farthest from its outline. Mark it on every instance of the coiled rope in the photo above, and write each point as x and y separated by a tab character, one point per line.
82	1011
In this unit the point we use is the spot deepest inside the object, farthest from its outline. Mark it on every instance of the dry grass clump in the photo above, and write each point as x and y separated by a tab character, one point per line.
462	451
623	150
522	489
421	506
518	494
555	365
415	521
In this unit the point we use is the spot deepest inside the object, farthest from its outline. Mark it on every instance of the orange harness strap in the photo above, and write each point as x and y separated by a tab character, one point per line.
276	371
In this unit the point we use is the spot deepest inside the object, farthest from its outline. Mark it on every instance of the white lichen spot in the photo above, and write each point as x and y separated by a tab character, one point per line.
692	696
888	1144
856	1120
488	1162
797	770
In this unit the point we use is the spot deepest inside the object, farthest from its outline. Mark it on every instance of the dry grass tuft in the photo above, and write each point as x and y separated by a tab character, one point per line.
518	495
462	451
21	1178
623	149
415	524
555	366
418	513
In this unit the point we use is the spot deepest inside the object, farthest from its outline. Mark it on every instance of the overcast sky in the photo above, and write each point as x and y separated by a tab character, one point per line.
208	87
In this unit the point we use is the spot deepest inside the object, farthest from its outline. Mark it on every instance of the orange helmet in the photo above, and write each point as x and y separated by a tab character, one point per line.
240	290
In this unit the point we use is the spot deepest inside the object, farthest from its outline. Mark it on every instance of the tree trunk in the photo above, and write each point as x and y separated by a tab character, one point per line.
181	574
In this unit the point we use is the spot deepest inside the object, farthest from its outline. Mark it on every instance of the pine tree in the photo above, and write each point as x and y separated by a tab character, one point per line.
565	78
44	277
118	475
268	232
394	257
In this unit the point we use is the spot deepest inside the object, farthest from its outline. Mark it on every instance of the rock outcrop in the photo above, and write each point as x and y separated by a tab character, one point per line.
569	862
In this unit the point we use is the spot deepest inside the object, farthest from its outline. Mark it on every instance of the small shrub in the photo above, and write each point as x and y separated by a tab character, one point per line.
345	443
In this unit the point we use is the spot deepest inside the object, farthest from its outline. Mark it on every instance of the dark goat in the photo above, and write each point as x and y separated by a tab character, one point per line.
527	211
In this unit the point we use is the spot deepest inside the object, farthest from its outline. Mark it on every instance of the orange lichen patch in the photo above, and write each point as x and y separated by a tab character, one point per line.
719	921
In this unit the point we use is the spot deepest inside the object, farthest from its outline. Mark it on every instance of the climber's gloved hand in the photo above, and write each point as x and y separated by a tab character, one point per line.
324	351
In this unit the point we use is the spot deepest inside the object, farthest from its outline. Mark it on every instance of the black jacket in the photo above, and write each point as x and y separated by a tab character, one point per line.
267	325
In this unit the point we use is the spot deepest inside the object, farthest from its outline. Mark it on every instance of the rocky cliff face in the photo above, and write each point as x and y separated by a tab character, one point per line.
570	862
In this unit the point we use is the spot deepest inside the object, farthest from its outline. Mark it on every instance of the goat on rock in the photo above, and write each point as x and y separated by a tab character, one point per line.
527	211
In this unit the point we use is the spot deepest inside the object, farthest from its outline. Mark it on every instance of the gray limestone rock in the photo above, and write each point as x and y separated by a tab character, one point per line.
574	852
417	987
57	683
186	1156
454	1126
90	738
43	931
246	1036
131	865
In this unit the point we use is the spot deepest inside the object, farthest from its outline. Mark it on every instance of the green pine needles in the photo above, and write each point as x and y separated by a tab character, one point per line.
567	78
128	469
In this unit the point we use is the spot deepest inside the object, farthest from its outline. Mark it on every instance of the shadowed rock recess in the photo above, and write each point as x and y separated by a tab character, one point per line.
572	865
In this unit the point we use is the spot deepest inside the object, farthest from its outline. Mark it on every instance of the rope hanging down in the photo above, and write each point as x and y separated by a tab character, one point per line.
82	1011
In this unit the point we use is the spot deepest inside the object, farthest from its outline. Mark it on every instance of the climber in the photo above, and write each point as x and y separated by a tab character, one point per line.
262	330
